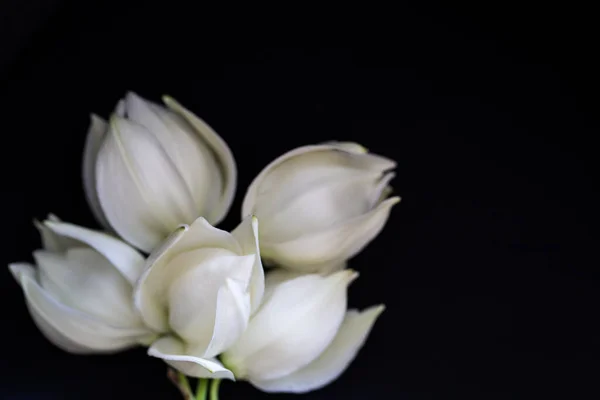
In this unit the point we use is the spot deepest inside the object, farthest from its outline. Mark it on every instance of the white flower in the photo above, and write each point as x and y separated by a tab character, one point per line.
80	294
152	168
198	290
320	205
302	338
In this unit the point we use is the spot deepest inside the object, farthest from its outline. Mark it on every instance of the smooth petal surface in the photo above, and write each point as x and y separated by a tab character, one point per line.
128	261
320	207
150	306
246	235
298	170
83	279
333	361
310	253
52	241
151	289
231	316
199	296
93	142
173	352
70	328
274	278
53	335
292	328
57	338
140	190
201	234
223	157
193	157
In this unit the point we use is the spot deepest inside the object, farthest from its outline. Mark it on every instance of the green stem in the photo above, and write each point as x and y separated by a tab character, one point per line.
214	389
184	386
202	389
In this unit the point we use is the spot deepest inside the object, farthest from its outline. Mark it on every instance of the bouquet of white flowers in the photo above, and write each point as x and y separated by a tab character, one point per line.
158	179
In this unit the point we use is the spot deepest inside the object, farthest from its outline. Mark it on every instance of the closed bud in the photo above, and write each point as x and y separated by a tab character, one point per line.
150	168
320	205
80	293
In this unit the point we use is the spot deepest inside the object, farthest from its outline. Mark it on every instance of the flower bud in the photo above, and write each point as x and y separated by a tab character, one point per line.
150	169
198	290
302	338
320	205
80	294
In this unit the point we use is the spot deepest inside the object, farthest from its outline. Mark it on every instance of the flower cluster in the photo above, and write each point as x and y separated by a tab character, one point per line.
158	179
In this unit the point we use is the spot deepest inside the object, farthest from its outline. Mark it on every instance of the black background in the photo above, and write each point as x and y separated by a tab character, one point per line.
489	266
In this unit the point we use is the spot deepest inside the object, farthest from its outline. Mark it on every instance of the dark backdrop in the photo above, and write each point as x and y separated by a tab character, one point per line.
489	266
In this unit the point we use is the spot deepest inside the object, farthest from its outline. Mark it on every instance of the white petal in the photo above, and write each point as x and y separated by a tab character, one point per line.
128	261
20	270
276	277
151	307
315	252
247	236
120	109
333	361
302	168
199	235
85	280
292	328
141	192
93	141
222	153
349	146
319	208
383	190
64	325
326	269
52	241
57	338
198	295
231	317
191	155
173	352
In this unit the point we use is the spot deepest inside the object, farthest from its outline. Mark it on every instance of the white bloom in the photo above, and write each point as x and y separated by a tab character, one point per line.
80	294
198	290
320	205
302	338
150	169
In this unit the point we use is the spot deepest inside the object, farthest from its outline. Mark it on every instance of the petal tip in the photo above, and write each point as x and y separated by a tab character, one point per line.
255	225
168	100
181	228
392	201
378	310
15	270
349	275
95	118
131	94
200	220
388	176
359	148
51	224
350	147
53	217
20	271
